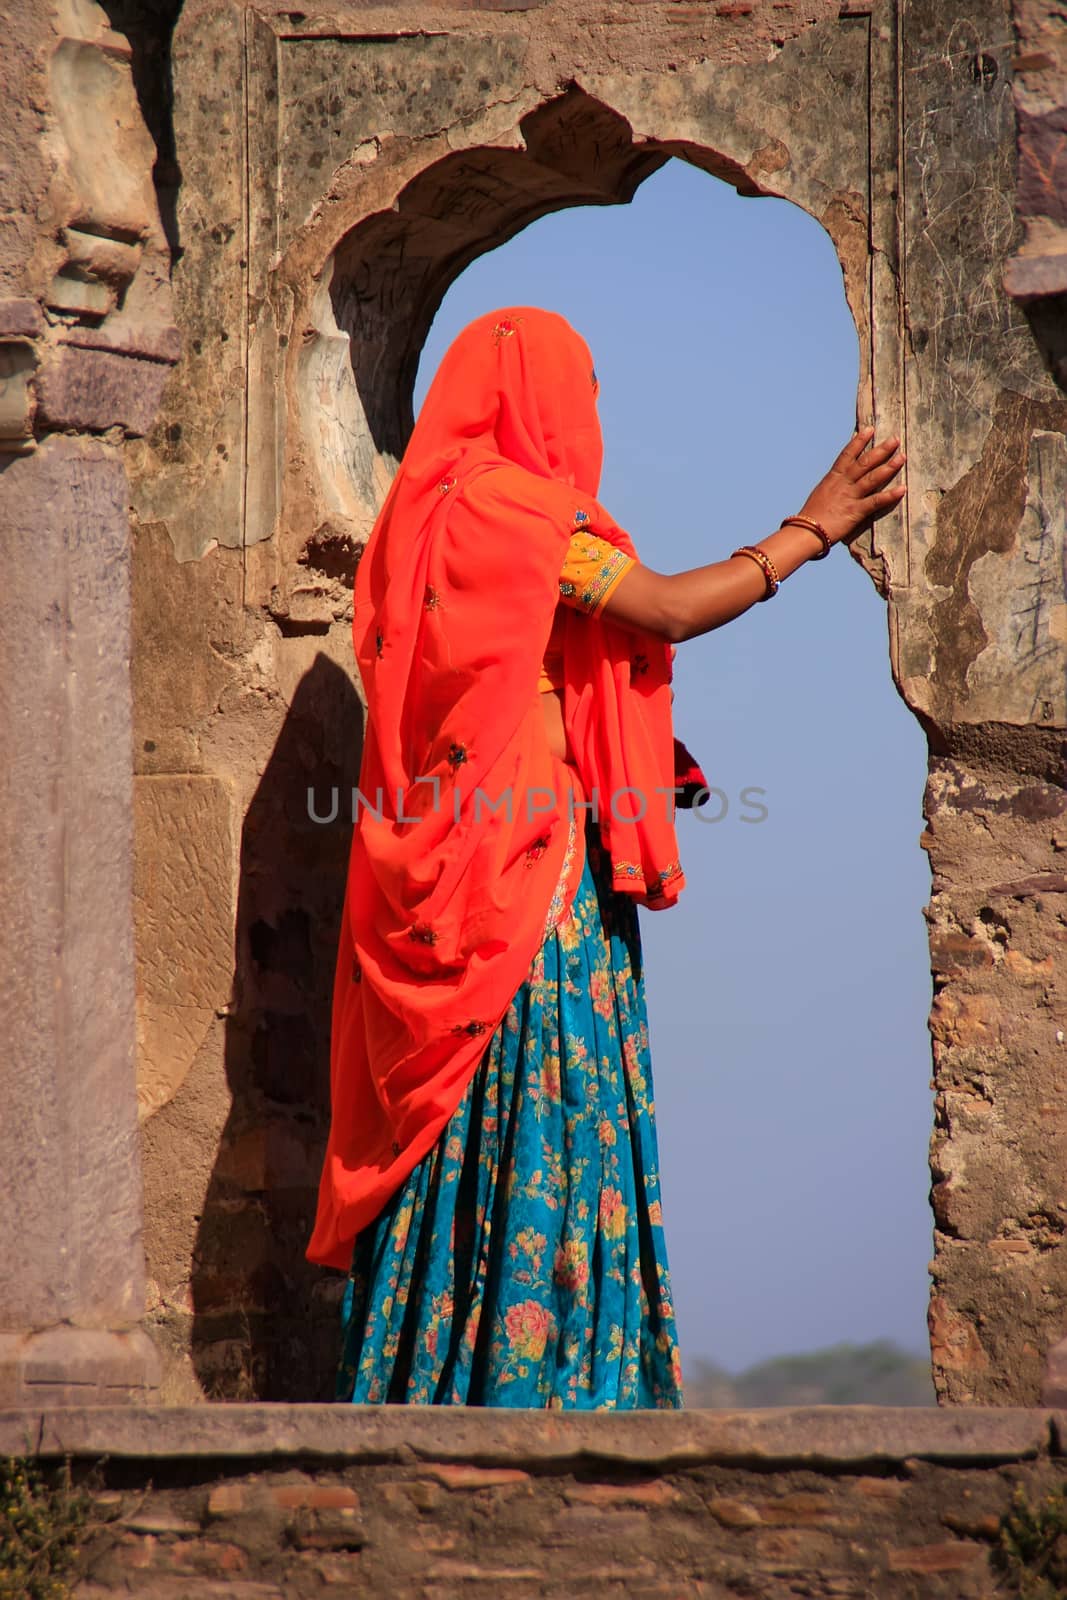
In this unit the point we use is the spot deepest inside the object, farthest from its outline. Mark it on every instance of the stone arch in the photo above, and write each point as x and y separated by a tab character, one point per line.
347	171
369	303
388	274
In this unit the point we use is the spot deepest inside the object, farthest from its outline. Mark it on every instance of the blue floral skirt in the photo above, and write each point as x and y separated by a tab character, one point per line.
523	1261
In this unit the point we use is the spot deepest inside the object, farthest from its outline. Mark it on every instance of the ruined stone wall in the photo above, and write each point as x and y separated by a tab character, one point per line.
287	1502
322	177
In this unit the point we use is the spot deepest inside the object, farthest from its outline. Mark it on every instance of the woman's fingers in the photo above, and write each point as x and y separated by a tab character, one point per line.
874	457
880	474
853	450
885	499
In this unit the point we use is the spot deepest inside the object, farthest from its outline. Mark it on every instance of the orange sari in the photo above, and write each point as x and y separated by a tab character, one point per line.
464	819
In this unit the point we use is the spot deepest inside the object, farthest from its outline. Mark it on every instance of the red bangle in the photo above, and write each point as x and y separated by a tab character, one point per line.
814	527
770	571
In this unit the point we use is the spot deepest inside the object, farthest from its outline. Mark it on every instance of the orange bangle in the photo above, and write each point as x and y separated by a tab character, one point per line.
813	527
763	560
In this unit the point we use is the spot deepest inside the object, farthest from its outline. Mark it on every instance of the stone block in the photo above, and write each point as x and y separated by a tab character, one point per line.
1042	178
811	1437
93	390
68	1138
184	916
153	341
21	317
1054	1389
69	1366
77	293
18	364
1032	277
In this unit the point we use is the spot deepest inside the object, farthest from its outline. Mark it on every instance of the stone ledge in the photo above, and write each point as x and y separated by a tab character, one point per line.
821	1437
148	341
21	318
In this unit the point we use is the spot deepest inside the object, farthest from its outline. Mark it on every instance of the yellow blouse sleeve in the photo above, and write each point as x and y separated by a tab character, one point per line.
591	569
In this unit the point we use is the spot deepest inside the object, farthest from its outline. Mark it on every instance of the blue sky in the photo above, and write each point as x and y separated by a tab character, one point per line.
788	991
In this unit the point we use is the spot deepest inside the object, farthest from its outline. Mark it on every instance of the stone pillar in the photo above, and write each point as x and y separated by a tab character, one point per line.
85	345
70	1253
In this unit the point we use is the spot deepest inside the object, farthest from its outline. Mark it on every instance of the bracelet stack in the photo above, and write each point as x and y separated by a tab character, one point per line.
767	566
816	528
762	560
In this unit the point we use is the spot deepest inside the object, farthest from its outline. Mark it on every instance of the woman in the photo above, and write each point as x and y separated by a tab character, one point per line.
491	1180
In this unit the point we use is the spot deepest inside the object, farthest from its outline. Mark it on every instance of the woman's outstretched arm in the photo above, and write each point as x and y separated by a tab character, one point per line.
682	605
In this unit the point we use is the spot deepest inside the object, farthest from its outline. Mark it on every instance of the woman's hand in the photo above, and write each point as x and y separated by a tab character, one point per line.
855	490
682	605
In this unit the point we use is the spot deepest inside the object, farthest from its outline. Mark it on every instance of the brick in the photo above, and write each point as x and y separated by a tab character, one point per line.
137	1551
790	1509
954	1341
795	1550
423	1495
953	1556
734	1513
226	1500
465	1477
887	1489
653	1493
163	1587
972	1527
1026	970
329	1530
314	1497
158	1519
1030	888
469	1571
965	1019
205	1556
956	950
320	1516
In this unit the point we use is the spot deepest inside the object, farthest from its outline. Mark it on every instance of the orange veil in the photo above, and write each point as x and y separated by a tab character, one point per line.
463	825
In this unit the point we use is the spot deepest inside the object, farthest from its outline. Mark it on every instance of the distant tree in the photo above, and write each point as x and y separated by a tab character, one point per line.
877	1374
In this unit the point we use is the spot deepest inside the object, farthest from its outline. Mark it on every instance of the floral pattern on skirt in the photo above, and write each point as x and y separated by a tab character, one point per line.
523	1262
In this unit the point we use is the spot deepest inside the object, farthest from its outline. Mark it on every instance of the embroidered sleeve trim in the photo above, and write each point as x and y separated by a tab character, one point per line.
592	569
604	580
633	869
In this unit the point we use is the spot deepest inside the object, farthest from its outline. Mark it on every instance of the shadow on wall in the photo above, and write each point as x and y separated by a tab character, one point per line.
262	1327
149	26
1048	324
